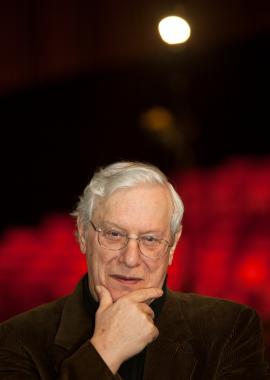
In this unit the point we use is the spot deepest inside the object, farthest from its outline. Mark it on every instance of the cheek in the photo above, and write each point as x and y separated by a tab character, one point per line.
157	272
97	264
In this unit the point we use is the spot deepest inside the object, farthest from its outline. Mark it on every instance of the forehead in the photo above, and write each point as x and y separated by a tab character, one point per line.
143	205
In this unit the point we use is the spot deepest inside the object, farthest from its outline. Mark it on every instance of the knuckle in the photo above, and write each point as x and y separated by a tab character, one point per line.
155	333
145	318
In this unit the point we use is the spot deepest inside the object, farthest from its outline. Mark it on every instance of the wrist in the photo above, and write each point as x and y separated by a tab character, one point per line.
107	354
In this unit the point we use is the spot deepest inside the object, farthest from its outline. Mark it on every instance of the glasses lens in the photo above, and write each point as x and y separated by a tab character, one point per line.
112	239
149	246
152	247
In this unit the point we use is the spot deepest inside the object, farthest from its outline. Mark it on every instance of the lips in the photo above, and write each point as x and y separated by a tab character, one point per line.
128	280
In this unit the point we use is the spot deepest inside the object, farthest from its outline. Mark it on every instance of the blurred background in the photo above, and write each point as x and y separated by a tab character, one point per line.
84	84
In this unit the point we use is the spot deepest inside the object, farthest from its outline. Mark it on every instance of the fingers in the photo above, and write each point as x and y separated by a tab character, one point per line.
145	295
155	334
147	310
105	298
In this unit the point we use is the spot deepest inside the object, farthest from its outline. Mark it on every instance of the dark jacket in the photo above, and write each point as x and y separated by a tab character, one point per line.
200	338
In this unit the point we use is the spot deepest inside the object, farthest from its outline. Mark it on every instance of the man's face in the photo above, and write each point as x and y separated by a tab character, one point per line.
136	211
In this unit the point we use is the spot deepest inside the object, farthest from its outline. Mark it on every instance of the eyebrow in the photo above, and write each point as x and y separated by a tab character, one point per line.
112	224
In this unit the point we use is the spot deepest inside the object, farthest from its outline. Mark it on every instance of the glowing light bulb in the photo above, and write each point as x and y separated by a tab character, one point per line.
174	30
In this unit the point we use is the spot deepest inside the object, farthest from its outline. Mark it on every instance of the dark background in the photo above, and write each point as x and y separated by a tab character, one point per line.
75	78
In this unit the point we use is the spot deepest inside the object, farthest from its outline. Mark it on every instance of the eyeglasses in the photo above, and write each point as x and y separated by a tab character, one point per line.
114	240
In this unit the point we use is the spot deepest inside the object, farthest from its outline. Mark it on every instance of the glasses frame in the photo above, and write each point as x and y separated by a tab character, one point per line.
128	238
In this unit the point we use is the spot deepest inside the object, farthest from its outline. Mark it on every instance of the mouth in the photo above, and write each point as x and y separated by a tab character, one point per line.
126	280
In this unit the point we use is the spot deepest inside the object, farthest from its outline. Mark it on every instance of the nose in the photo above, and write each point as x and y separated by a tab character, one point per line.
130	256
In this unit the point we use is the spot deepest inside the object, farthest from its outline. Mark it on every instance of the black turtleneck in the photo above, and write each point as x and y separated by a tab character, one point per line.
132	369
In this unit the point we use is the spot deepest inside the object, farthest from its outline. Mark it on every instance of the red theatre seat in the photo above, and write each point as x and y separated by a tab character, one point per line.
224	250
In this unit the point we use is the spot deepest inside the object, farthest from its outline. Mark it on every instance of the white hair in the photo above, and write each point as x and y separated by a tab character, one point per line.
125	174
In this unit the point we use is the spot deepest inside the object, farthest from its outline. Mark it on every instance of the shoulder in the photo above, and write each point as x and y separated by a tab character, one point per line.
212	315
225	337
35	324
204	304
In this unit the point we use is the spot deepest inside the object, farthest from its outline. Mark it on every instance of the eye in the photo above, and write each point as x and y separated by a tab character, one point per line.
150	240
113	235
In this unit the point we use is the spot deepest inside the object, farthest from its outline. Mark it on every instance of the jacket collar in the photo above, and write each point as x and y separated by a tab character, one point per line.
74	323
73	328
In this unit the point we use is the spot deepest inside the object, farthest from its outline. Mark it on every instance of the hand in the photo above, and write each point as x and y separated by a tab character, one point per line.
124	328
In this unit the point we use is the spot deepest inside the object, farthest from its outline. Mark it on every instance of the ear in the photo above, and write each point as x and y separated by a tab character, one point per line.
81	235
172	249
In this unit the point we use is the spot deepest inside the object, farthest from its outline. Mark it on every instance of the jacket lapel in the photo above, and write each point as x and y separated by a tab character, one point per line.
171	355
74	327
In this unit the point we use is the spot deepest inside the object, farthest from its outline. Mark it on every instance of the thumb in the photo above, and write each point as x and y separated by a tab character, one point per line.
105	298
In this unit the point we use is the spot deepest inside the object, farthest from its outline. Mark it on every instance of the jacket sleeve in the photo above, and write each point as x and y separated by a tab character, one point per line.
243	353
15	362
19	362
86	364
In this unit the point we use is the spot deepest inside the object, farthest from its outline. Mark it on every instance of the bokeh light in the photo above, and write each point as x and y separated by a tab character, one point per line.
174	30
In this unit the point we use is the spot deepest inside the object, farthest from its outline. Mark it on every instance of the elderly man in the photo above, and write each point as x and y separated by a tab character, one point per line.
122	322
